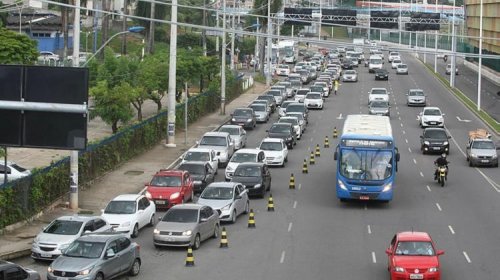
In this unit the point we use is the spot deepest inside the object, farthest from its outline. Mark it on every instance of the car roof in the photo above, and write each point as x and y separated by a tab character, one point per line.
378	88
228	126
247	164
270	139
432	108
413	236
203	150
223	184
247	151
100	237
216	133
78	218
170	172
187	206
127	197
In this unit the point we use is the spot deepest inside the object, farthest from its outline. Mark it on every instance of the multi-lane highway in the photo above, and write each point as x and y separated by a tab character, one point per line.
312	235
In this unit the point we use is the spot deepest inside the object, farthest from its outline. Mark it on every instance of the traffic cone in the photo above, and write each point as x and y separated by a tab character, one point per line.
304	167
327	143
251	219
317	153
223	238
270	203
292	182
335	133
190	257
312	161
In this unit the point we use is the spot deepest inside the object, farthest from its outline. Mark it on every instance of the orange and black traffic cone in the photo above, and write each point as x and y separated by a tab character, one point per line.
317	153
251	219
270	203
335	133
304	167
190	257
327	143
312	161
292	182
223	238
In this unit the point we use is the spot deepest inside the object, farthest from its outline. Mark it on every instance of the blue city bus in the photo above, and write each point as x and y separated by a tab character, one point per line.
367	159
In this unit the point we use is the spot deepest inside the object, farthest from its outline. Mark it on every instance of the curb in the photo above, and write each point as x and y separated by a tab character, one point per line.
15	254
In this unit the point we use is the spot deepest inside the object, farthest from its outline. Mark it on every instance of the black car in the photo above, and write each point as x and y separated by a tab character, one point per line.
244	117
201	173
255	176
346	64
381	74
271	100
284	131
10	270
434	140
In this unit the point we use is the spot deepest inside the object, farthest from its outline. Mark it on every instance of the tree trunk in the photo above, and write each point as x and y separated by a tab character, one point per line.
124	27
114	127
139	113
158	104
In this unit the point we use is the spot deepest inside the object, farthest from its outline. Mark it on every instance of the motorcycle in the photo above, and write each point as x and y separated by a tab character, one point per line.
442	174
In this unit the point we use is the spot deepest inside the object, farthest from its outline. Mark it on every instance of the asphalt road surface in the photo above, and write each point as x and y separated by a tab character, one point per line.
312	235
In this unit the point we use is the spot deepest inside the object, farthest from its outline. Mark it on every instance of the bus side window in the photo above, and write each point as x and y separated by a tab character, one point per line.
397	158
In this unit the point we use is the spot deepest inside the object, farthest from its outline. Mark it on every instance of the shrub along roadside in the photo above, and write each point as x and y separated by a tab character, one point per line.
21	199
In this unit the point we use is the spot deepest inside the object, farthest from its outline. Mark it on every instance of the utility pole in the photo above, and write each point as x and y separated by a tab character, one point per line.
453	49
203	31
480	65
217	37
73	164
152	27
172	72
233	35
435	41
269	42
223	66
124	27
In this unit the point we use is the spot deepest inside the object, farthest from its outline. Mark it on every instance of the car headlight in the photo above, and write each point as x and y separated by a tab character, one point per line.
187	232
494	156
64	246
126	224
175	195
197	182
279	157
445	143
148	195
441	119
227	207
249	120
387	187
399	269
426	143
156	231
257	186
85	272
229	168
50	269
433	269
341	185
233	119
473	155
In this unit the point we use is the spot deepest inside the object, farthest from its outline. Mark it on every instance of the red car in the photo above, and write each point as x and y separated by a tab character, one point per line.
170	187
413	255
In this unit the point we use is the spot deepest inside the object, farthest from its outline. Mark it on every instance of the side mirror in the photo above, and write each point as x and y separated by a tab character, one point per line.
388	251
449	137
197	142
398	156
267	130
110	253
203	220
102	211
421	136
335	155
440	252
443	115
238	197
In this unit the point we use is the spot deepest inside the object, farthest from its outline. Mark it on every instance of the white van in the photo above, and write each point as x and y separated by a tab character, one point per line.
376	62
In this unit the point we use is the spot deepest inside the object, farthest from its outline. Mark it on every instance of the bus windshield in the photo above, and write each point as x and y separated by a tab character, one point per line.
366	164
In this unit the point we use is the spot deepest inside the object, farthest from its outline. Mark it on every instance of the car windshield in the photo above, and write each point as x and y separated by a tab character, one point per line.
298	116
63	227
376	61
230	130
213	141
217	193
274	93
258	108
379	91
414	248
197	156
181	216
396	61
285	104
379	104
435	134
271	146
432	112
416	93
321	84
402	66
302	92
279	129
166	181
266	97
120	207
290	120
295	108
313	96
316	89
17	167
295	82
366	165
244	157
350	72
85	249
242	113
483	145
283	67
394	54
198	169
248	171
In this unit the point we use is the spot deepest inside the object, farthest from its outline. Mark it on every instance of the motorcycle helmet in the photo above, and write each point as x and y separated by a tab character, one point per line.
443	155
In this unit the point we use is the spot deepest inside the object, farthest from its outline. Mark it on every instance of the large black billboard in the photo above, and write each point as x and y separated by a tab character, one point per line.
298	16
384	19
339	16
10	90
423	21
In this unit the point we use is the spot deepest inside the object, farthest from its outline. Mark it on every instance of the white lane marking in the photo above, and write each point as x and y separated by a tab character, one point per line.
415	161
409	149
460	120
374	258
451	229
366	207
466	257
295	204
282	259
289	227
428	188
399	118
311	139
421	174
369	229
439	207
406	140
339	117
397	108
404	132
401	124
300	186
397	112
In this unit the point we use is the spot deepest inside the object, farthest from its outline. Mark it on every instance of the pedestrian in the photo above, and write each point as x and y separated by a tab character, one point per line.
336	86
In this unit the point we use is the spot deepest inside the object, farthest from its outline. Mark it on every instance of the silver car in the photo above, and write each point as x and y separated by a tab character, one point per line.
220	142
60	233
261	112
402	69
415	97
379	108
229	199
97	256
237	133
186	225
350	76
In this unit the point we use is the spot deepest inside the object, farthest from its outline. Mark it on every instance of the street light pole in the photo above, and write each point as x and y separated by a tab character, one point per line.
233	35
269	42
480	56
172	72
453	49
223	64
435	41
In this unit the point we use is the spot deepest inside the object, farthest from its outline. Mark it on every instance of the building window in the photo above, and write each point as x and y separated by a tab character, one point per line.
40	35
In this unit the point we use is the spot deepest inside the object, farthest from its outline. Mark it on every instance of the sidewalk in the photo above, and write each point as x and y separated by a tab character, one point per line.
128	178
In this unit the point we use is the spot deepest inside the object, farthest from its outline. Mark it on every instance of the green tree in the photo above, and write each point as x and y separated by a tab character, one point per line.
113	104
17	48
152	77
3	16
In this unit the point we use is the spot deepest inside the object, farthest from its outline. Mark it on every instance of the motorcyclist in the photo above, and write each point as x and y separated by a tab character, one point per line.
441	161
445	58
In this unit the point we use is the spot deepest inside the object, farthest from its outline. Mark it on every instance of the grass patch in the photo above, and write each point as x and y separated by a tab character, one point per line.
491	122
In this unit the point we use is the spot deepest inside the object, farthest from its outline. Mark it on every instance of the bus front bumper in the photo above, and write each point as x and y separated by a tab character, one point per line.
379	193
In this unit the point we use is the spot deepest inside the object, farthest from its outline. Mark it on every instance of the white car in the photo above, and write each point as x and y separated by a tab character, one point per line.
379	94
295	124
61	232
402	69
238	136
395	63
301	94
202	155
48	56
13	171
275	150
240	156
290	58
431	116
282	109
283	70
229	199
300	117
326	88
314	100
128	213
299	66
220	142
393	55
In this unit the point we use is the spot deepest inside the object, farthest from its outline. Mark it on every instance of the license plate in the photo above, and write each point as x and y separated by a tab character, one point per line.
160	202
435	148
62	278
432	122
484	160
416	276
364	197
46	255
